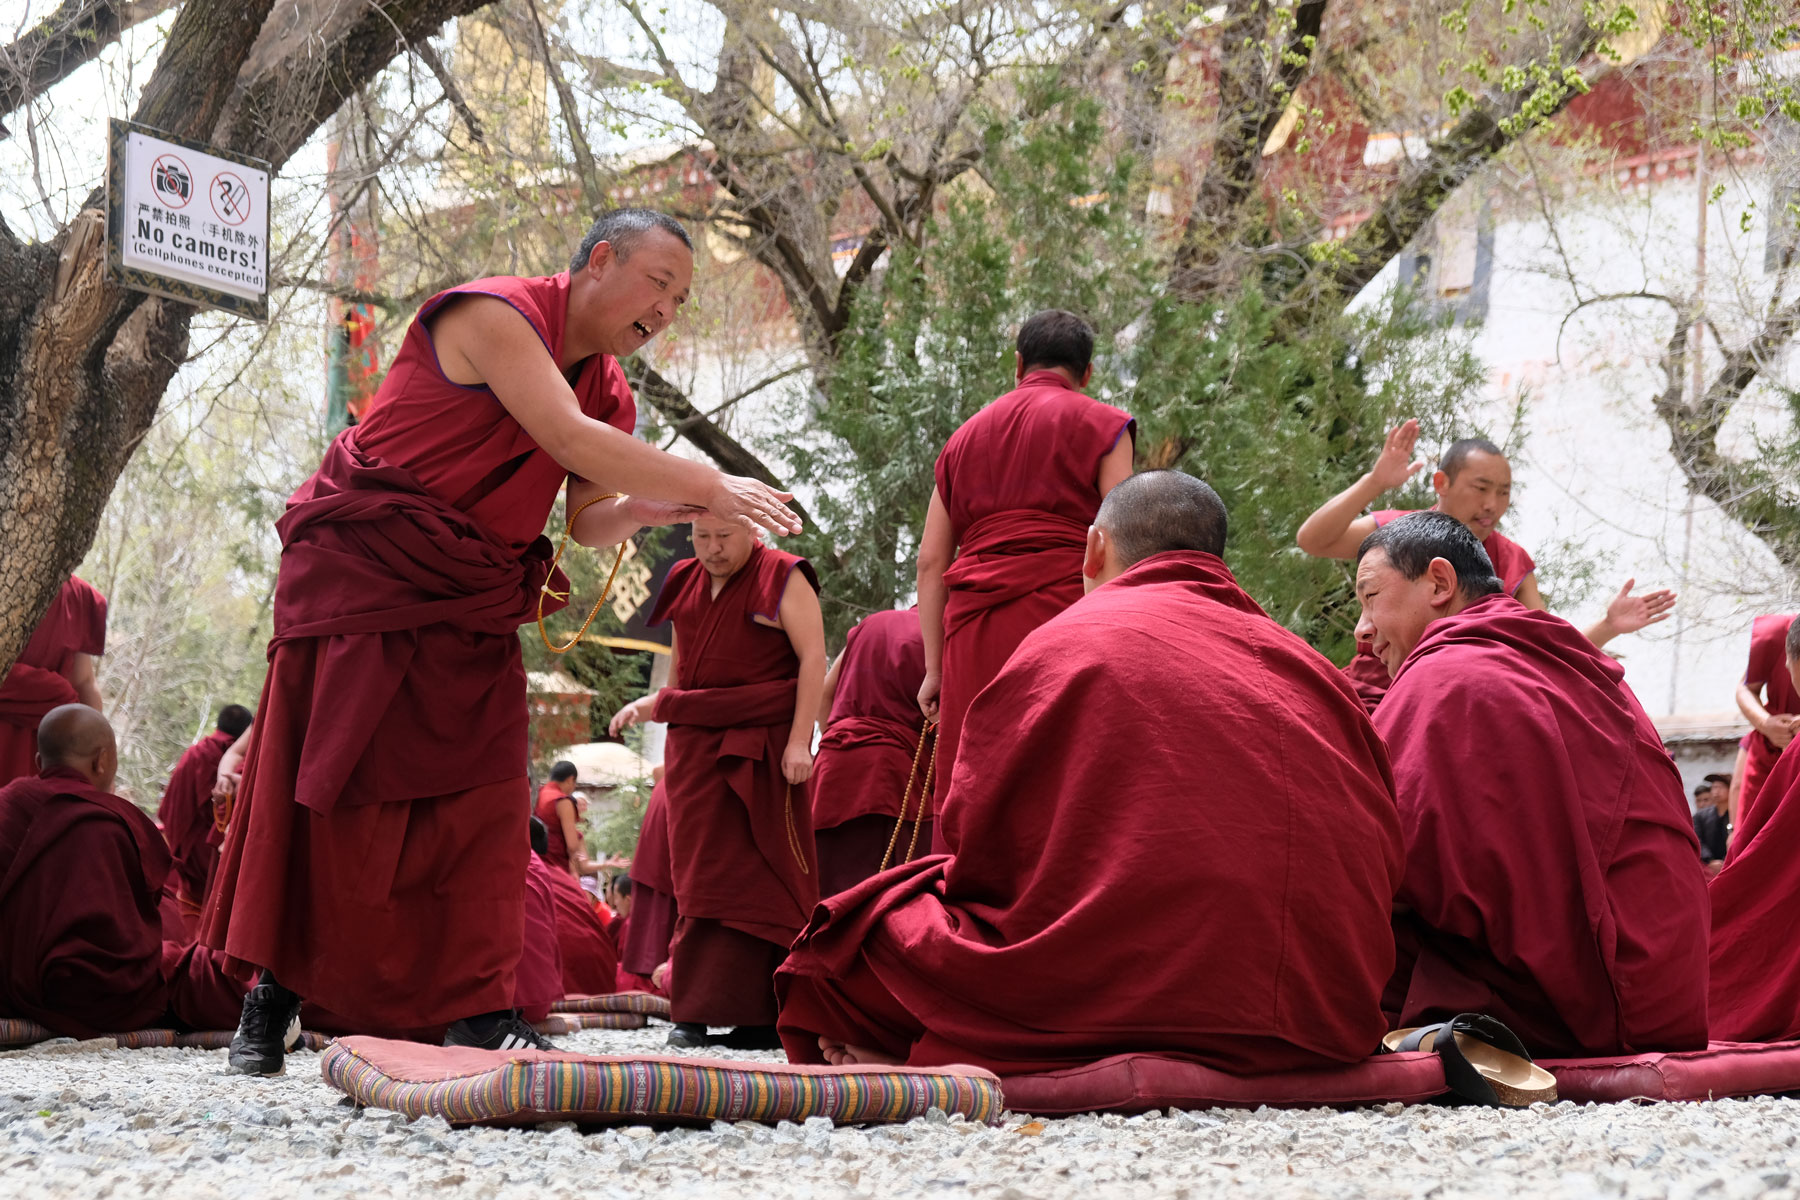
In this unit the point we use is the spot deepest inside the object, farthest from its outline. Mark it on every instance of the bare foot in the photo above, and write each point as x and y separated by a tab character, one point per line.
861	1056
833	1052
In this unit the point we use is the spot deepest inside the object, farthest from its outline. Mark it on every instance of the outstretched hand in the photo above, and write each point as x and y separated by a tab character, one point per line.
1628	613
1395	465
753	502
626	717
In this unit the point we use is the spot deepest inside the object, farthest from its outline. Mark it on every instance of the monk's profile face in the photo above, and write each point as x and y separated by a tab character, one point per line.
1395	609
723	547
1478	494
641	292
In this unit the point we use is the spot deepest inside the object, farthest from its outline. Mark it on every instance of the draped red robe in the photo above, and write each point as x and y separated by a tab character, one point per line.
1171	829
1553	879
1768	671
377	855
75	624
558	854
186	816
1021	484
1512	563
647	934
868	751
741	837
1754	991
81	937
590	960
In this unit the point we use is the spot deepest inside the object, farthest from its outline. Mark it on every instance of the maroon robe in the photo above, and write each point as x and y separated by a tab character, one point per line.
1021	484
538	981
82	951
1754	990
1171	829
645	940
590	960
75	624
186	815
377	855
741	836
1512	563
557	855
868	750
1767	670
1553	879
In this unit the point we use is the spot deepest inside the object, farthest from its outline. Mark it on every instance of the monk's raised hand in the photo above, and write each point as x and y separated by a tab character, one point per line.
661	512
753	502
1628	613
1395	464
797	762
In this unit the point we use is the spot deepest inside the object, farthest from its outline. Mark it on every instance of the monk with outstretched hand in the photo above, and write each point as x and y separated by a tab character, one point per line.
56	667
1473	483
186	810
1770	701
869	758
1016	488
377	855
1553	879
748	668
82	872
1106	890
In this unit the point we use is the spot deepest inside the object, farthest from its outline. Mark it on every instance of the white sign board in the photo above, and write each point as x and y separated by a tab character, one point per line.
188	221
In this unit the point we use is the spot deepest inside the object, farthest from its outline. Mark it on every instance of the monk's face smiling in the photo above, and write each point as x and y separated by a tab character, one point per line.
1396	610
723	547
1479	494
634	298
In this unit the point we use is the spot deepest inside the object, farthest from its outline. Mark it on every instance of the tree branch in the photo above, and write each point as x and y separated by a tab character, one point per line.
427	54
68	39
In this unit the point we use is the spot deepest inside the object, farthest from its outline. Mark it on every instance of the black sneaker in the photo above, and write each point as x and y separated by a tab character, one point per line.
689	1035
266	1032
496	1031
751	1037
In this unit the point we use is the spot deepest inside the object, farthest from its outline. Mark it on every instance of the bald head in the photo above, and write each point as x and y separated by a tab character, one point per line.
77	738
1153	512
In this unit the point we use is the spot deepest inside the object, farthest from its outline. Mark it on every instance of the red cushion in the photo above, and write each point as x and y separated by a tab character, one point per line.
1722	1069
1134	1083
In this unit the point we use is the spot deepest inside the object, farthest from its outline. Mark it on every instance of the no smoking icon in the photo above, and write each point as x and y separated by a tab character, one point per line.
231	198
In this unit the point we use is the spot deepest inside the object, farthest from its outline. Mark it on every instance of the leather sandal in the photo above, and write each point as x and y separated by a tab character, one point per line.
1484	1061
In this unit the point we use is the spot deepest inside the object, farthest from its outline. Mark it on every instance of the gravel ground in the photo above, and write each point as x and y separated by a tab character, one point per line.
79	1120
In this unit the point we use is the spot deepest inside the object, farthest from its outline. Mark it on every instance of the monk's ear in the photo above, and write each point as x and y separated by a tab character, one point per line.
1093	557
1440	482
1443	582
1018	367
1087	375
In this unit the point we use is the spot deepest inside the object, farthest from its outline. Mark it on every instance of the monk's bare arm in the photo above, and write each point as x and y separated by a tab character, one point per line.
80	674
1733	792
804	625
1527	593
1115	468
1338	528
484	340
829	695
937	547
609	522
1777	728
639	710
577	845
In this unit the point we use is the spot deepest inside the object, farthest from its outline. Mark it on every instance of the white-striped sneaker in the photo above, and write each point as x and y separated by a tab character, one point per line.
505	1032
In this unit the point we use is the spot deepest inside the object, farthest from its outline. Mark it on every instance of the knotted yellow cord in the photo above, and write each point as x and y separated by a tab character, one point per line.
547	590
927	730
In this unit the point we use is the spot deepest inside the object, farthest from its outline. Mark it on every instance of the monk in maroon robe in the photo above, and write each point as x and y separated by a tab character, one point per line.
561	810
650	931
376	861
1473	483
1553	878
748	669
1770	701
1017	486
56	667
82	872
1107	891
869	752
186	811
590	959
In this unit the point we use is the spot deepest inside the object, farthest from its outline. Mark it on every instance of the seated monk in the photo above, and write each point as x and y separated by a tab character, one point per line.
82	874
1105	891
1553	879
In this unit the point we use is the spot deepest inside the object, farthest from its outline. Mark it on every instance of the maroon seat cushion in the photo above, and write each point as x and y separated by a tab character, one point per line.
1722	1069
1135	1083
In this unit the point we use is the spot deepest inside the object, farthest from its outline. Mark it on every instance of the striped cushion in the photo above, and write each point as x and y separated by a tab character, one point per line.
16	1031
642	1003
515	1087
559	1023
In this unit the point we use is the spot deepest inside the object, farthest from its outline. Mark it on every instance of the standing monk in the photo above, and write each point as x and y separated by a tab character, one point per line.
748	664
55	667
377	856
644	943
1017	487
1771	703
1473	484
186	811
868	752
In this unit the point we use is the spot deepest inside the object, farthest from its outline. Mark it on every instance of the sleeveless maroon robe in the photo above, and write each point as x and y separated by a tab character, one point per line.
377	855
558	854
75	624
82	947
1768	671
1158	799
644	943
867	751
1754	990
1020	482
1553	878
742	839
1512	563
186	815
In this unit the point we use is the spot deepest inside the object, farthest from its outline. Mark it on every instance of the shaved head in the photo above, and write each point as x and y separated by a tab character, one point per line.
1153	512
76	738
1457	456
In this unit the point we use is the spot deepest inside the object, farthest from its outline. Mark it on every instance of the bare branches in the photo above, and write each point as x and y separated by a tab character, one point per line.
434	62
66	40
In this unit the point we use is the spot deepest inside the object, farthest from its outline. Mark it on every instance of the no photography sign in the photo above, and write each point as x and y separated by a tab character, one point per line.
188	221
